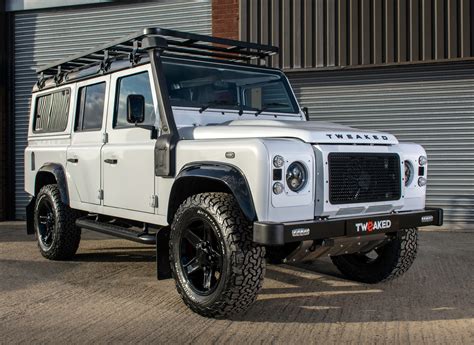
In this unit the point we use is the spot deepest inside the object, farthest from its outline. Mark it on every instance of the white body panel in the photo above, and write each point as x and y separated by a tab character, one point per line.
44	148
250	158
41	151
414	195
130	183
86	146
310	132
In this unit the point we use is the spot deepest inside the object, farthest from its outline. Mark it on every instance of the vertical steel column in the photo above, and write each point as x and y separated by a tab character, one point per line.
4	111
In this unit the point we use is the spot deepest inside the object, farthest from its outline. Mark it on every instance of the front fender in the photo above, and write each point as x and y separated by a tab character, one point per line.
220	175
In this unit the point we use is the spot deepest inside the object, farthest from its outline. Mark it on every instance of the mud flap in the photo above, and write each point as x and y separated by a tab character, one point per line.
163	269
30	217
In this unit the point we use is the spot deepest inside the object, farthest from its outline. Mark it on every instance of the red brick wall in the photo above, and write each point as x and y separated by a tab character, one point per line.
225	18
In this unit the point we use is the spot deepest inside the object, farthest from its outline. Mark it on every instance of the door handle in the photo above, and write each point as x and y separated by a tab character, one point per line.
73	160
110	161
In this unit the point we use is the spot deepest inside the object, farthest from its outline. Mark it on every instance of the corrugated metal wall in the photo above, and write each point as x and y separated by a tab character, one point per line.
44	36
429	105
319	33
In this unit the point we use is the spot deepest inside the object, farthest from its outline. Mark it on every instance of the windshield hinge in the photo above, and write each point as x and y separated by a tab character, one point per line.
154	201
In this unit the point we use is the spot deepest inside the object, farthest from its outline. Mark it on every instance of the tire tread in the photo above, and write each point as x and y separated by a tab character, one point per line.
67	235
247	258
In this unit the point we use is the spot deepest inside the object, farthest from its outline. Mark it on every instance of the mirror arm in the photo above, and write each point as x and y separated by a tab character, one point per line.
151	128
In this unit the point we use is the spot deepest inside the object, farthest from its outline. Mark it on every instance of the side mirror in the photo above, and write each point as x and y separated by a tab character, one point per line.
135	109
306	113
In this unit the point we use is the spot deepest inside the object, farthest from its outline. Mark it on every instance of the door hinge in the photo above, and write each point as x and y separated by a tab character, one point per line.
154	201
100	195
105	138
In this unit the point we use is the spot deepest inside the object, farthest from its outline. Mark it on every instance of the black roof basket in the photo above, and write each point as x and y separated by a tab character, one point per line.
174	43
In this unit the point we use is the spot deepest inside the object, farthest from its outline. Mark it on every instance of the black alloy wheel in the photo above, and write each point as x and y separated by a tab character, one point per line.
46	222
200	257
217	268
55	225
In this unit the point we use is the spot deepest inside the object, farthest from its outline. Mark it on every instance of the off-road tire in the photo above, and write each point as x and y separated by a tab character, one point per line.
66	236
243	260
394	259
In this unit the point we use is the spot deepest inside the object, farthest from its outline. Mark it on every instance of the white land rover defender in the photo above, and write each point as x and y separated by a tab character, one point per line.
173	139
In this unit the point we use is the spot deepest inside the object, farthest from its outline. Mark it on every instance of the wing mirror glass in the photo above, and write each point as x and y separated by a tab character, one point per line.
135	109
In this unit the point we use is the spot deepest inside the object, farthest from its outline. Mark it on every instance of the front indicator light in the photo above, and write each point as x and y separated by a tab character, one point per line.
422	182
408	173
278	188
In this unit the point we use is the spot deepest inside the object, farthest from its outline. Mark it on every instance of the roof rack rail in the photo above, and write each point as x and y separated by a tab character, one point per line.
174	43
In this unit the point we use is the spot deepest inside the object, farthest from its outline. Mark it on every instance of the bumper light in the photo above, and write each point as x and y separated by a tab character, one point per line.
422	182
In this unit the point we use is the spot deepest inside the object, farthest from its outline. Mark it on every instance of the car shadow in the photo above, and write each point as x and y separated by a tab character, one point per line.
117	254
317	293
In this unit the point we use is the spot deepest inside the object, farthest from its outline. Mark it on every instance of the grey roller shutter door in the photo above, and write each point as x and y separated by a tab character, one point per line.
45	36
430	105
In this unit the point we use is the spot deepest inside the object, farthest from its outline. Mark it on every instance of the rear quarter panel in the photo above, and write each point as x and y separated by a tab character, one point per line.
44	148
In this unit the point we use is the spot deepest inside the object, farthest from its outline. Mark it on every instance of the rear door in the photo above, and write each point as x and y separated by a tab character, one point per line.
83	155
128	156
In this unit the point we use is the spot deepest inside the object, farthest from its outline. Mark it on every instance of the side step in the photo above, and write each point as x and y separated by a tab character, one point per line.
115	230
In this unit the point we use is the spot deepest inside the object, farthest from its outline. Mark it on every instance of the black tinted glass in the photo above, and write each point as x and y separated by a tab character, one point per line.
136	84
91	107
217	86
51	112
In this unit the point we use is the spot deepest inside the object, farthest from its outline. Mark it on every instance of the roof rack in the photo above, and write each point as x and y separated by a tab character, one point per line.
174	43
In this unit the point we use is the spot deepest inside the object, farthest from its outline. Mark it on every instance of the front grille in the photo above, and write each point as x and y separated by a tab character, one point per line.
363	177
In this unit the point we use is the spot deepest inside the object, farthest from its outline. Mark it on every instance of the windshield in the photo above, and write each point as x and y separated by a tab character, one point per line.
208	85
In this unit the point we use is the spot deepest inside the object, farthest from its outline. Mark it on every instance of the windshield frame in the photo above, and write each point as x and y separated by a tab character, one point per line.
238	67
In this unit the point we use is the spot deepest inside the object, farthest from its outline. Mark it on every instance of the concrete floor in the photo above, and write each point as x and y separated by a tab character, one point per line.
109	293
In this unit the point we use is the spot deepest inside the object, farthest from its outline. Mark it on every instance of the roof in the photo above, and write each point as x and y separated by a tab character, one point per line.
172	42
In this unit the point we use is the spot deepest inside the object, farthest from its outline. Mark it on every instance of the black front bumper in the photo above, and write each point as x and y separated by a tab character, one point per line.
270	233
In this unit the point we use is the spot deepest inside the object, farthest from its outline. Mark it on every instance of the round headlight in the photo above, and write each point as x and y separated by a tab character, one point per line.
278	188
422	160
278	161
408	173
296	176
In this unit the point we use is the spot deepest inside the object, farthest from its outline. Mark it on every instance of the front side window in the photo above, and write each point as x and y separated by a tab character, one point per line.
207	85
135	84
90	107
51	112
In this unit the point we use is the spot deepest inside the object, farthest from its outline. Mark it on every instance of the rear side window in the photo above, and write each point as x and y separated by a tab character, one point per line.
90	110
135	84
51	112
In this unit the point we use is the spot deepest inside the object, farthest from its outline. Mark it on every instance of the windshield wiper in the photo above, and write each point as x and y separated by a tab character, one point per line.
214	103
267	105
